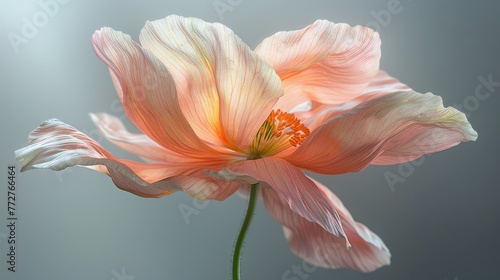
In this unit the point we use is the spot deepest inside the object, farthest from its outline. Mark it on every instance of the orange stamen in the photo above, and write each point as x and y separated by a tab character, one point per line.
279	131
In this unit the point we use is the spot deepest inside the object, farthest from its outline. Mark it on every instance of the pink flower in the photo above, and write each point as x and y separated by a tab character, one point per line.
217	116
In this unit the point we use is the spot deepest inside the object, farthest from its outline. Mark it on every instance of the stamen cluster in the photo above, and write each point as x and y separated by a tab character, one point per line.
279	131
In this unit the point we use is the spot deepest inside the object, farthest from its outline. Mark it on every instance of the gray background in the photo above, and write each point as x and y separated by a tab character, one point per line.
442	222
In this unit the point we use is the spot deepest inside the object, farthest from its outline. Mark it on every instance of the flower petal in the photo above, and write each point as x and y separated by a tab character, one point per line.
393	128
300	193
315	245
147	92
225	90
139	144
382	84
202	187
113	129
325	62
56	145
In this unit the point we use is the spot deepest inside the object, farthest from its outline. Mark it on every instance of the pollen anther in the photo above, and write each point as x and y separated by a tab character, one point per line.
279	131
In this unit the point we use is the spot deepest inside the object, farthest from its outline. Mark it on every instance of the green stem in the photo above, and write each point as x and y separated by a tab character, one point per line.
243	231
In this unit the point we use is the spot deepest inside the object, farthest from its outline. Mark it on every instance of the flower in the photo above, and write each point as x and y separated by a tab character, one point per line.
217	116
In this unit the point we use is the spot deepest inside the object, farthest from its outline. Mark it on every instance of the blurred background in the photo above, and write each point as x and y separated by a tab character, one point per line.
441	220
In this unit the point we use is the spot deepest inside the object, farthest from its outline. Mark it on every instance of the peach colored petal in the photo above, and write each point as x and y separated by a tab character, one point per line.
315	245
300	193
203	187
325	62
139	144
226	91
382	84
56	145
393	128
148	93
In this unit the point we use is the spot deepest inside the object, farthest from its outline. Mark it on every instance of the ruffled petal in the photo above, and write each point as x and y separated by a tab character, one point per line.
382	84
202	187
113	129
147	92
324	62
141	145
319	247
226	91
56	145
299	192
394	128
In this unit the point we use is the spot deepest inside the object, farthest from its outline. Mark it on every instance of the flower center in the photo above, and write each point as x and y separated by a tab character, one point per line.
279	131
